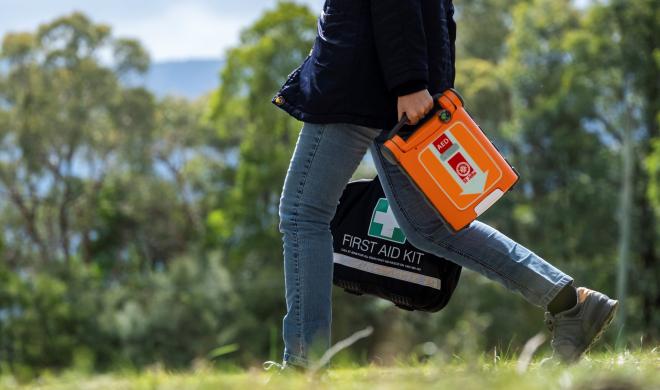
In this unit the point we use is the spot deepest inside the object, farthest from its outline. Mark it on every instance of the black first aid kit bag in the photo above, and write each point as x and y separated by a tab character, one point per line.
372	255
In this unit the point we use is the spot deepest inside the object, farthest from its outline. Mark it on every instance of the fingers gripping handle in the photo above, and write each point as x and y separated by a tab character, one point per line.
404	119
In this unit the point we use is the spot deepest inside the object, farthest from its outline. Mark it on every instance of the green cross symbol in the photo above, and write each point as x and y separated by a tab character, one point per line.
384	225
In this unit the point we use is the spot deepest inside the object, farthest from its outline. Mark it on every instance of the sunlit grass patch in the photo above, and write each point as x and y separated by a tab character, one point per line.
639	370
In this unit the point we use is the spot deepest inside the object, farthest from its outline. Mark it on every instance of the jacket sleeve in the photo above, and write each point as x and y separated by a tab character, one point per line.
400	39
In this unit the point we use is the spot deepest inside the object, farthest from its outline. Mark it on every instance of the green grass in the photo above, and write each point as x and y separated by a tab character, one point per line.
640	370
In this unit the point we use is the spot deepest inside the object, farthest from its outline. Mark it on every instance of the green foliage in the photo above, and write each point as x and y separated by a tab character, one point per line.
564	167
102	188
57	85
172	316
263	140
48	318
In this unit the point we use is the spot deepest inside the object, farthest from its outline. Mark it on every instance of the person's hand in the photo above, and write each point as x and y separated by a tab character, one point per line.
415	105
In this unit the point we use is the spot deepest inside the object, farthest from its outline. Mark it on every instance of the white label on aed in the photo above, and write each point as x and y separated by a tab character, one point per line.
488	201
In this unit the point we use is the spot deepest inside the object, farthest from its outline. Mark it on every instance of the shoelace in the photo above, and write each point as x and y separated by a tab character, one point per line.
270	364
550	321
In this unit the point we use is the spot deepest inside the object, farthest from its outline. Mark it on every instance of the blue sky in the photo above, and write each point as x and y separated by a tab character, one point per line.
169	29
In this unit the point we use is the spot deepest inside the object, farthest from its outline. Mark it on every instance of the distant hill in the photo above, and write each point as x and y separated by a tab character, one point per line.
186	78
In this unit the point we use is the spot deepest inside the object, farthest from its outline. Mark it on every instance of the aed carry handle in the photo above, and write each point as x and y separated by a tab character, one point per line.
404	119
436	108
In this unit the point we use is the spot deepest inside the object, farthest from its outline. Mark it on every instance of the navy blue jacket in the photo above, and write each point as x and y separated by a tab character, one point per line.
366	54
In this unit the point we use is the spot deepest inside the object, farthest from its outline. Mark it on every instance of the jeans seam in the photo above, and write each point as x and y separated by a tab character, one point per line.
299	279
443	243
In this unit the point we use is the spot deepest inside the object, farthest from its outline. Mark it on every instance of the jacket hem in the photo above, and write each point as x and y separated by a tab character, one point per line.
354	119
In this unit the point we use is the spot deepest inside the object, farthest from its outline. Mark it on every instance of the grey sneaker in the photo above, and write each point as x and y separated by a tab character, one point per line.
576	329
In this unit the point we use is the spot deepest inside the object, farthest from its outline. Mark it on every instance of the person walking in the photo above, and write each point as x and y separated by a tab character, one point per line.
372	62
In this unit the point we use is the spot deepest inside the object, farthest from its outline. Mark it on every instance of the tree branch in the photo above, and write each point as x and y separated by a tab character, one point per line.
188	208
28	213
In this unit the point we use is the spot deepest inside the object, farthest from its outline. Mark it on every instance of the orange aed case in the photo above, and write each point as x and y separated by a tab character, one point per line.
452	162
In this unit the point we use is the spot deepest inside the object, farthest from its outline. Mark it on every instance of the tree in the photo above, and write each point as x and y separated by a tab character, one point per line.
93	167
57	85
102	186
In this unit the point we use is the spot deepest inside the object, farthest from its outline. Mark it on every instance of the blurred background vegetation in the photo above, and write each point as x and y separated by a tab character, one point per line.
139	229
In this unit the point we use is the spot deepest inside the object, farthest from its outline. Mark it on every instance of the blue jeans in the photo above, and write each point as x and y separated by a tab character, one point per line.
323	162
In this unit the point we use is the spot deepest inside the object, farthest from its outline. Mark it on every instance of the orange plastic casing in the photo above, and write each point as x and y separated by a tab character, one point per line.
453	163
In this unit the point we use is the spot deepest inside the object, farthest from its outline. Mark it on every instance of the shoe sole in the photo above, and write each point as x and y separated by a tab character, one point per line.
603	327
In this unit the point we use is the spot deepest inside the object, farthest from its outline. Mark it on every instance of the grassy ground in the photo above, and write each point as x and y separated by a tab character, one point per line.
605	371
